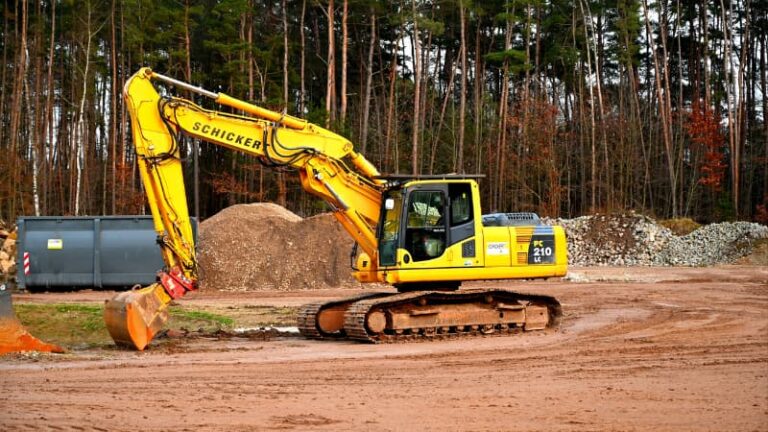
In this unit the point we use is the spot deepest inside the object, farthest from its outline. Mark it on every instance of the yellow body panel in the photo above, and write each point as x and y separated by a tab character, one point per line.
472	273
492	260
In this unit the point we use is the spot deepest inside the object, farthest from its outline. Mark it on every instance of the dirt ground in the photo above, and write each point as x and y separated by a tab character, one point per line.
638	349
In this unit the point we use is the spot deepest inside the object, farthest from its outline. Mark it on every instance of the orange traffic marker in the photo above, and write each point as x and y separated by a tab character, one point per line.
13	336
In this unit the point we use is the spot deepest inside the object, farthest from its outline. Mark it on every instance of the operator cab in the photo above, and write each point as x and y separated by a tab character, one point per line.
424	217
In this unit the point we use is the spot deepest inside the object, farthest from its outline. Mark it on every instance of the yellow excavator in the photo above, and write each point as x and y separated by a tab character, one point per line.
424	235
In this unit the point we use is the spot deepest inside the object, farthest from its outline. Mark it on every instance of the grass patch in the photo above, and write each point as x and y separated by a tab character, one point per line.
69	325
201	317
680	226
80	326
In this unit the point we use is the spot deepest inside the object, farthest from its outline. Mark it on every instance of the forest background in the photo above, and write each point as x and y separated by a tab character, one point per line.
568	107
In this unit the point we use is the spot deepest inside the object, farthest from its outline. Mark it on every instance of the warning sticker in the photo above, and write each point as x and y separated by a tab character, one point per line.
55	244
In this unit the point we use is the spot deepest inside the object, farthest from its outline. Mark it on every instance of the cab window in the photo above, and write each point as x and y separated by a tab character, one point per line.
461	203
425	232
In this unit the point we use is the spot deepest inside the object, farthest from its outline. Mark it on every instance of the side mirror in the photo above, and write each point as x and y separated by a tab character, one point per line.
389	204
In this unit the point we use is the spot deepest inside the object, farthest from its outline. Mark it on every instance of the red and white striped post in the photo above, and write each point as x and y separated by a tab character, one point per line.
26	264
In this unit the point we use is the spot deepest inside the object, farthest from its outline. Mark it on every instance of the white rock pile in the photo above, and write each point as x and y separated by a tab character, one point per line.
719	243
637	240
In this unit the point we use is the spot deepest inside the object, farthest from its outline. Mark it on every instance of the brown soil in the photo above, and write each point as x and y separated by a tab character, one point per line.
613	232
663	349
263	246
680	226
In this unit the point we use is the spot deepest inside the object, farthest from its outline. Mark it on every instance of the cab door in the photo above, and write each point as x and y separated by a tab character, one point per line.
462	236
425	225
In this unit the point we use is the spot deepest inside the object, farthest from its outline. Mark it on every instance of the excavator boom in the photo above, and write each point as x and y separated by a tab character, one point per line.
327	163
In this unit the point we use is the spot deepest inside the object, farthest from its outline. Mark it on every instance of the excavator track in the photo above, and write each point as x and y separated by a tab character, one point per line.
310	315
426	315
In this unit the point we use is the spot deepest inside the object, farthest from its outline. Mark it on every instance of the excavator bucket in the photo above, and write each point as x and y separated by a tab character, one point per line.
13	336
134	317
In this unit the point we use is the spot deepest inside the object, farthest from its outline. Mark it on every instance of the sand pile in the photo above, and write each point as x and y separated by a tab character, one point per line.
263	246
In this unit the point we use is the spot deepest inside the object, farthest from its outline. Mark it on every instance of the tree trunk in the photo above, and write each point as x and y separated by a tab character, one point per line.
598	79
282	189
344	49
391	141
593	180
741	131
368	85
667	108
302	91
285	57
478	92
416	92
48	128
115	94
16	107
665	121
81	136
459	166
195	141
446	98
32	134
330	93
501	144
732	139
764	85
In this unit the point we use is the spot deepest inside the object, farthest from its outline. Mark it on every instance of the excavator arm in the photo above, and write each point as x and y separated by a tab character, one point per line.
326	162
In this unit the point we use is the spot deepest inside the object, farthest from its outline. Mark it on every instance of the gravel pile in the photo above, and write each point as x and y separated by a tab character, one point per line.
637	240
252	247
712	244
